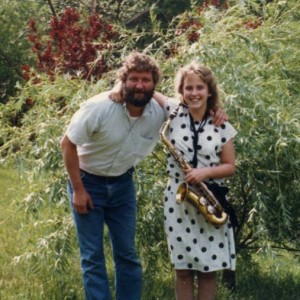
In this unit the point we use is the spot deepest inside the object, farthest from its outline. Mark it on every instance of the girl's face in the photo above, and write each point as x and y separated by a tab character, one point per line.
195	92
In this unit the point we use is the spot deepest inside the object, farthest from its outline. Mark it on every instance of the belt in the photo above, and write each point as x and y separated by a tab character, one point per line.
109	178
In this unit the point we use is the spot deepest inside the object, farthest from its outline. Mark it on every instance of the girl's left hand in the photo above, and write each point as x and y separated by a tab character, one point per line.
194	176
116	93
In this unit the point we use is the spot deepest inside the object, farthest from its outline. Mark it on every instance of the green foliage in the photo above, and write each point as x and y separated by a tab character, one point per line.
37	138
150	178
253	50
14	47
27	272
35	260
8	66
256	68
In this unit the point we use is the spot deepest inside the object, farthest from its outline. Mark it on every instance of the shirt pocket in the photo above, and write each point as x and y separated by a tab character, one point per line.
142	146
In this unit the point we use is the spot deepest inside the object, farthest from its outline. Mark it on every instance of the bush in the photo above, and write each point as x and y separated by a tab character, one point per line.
71	47
257	68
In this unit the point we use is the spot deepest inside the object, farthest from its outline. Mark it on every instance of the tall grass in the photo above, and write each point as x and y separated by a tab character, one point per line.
19	237
265	276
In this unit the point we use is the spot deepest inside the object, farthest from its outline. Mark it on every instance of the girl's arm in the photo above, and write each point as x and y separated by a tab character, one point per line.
116	93
225	169
160	98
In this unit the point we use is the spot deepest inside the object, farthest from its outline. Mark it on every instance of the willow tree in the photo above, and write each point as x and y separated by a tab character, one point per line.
254	52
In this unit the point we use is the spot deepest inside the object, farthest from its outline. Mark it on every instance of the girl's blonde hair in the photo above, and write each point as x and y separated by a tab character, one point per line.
213	101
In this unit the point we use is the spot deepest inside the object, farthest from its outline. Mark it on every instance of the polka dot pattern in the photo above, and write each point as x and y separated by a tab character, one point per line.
194	243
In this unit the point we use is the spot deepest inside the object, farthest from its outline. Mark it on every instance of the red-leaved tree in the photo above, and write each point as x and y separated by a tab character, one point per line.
71	47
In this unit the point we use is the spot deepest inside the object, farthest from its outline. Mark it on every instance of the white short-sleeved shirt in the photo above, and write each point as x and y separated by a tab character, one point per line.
109	141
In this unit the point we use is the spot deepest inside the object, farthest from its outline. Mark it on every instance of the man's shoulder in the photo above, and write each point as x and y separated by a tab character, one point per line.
155	106
100	98
98	102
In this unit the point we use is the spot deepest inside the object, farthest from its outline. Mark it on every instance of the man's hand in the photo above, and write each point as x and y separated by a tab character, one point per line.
219	117
82	202
81	199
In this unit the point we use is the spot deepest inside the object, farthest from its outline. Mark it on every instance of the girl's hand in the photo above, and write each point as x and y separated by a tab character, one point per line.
116	93
194	176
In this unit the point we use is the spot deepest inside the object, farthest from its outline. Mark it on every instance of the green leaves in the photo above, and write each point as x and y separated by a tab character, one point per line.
254	53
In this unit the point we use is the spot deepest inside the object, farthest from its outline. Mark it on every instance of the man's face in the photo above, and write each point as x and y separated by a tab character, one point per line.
138	88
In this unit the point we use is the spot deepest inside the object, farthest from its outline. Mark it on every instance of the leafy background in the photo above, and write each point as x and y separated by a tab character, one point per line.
253	49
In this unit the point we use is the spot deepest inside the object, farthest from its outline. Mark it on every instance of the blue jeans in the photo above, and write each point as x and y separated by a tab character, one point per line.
114	205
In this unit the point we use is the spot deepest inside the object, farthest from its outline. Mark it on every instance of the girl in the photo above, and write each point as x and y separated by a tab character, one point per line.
197	248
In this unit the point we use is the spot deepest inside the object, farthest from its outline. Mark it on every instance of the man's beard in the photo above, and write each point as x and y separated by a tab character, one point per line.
138	102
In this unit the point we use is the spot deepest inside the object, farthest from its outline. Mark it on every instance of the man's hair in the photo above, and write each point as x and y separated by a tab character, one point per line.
139	62
213	101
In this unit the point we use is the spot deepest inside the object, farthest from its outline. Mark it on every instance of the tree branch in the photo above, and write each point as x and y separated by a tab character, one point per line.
52	8
142	15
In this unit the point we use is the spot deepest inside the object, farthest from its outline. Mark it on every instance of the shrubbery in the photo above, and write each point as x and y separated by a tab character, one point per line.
253	50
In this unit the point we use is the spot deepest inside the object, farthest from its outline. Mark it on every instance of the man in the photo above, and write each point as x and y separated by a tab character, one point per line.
103	143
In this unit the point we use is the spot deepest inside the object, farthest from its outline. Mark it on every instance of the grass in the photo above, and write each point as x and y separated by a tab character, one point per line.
268	276
11	240
19	234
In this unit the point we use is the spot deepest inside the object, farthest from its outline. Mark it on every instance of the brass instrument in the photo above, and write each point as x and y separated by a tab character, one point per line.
198	195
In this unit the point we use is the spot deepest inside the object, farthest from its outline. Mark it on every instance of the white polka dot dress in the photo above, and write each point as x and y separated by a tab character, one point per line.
193	242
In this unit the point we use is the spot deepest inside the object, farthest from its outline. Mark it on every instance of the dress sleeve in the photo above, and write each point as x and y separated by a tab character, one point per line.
169	105
227	132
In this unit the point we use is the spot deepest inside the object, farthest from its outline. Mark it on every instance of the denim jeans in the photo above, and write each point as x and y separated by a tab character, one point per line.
114	205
